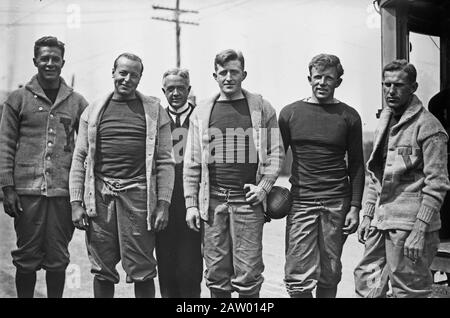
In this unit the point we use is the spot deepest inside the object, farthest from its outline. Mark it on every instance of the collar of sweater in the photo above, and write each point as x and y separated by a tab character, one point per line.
255	105
64	90
414	107
151	106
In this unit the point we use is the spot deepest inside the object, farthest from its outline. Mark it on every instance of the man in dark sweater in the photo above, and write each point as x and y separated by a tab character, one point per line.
233	157
178	248
37	141
123	172
327	180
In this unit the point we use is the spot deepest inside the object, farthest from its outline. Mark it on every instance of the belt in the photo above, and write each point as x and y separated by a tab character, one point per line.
116	186
220	192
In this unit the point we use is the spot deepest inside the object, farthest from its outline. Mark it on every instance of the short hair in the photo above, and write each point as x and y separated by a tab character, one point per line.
402	65
323	61
129	56
182	72
49	41
228	55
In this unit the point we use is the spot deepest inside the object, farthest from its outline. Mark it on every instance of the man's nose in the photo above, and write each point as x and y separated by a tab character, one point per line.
322	81
176	92
391	90
228	76
127	77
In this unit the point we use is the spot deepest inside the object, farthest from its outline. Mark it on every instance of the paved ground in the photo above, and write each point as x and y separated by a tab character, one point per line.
79	279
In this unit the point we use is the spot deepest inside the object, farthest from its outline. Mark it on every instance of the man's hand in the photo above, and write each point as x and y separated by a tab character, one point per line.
11	202
79	216
255	194
193	218
413	248
351	221
160	218
364	229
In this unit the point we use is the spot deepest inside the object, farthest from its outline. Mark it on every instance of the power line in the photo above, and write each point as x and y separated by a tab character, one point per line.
172	9
106	51
84	12
173	20
214	5
232	6
11	24
176	19
84	22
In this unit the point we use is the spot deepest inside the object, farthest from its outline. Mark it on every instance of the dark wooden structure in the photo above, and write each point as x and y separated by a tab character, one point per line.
428	17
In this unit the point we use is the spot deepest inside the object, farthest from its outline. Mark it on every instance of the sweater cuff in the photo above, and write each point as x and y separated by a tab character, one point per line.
369	209
356	204
266	184
191	202
426	214
6	179
165	195
76	195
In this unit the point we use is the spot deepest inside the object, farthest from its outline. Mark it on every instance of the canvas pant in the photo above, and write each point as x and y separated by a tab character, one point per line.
232	241
314	241
119	232
384	262
44	230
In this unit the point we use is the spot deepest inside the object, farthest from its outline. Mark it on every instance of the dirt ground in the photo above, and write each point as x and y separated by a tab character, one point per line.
79	278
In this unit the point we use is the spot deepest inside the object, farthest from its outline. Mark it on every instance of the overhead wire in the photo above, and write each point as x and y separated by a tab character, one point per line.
232	6
214	5
10	24
84	22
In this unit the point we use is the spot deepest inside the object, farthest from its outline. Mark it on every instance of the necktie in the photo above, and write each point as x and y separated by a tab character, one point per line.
178	115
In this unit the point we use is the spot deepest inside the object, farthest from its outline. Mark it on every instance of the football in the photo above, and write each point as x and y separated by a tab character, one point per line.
279	202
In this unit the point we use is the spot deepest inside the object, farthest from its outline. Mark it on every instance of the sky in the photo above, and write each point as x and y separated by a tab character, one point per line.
277	38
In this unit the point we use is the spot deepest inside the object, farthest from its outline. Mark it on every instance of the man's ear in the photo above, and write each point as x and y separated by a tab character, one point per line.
309	79
189	90
63	62
244	74
164	91
215	76
34	61
338	82
415	86
112	72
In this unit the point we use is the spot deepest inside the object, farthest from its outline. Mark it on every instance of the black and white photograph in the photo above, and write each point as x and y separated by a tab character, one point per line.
246	149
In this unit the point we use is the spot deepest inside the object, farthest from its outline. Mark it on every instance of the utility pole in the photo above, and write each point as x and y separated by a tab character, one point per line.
176	19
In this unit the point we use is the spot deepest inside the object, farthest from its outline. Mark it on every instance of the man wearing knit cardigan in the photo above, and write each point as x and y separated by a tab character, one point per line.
37	140
233	157
408	182
123	172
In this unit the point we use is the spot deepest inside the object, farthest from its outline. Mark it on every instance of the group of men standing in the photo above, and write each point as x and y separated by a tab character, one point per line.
190	183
